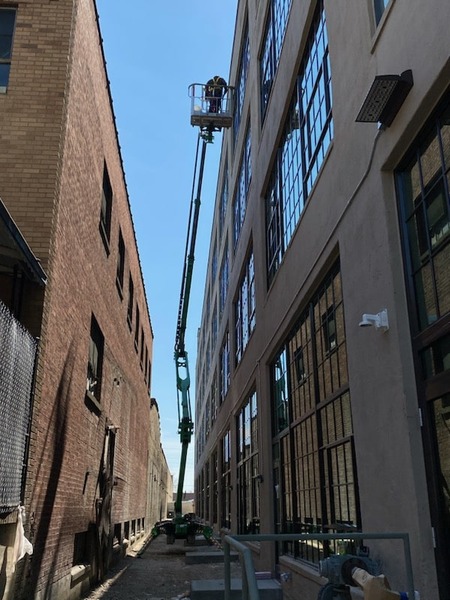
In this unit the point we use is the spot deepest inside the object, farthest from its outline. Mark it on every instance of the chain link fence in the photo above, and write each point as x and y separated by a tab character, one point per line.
17	357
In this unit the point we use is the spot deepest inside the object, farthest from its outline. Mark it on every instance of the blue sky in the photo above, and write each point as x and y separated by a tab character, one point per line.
153	52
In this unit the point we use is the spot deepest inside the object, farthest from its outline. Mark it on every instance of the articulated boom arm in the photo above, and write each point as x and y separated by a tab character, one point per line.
186	426
187	526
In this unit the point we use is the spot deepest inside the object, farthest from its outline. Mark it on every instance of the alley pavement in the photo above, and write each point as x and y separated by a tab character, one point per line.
158	571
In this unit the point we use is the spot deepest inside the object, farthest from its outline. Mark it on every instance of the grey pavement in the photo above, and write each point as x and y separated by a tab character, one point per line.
158	571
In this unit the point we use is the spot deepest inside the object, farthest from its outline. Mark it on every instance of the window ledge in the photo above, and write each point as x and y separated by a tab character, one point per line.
79	573
92	403
3	89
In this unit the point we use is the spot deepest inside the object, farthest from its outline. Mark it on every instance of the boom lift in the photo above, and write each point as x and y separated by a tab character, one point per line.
184	526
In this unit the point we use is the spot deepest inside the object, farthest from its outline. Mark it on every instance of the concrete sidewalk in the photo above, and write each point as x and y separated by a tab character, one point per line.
158	571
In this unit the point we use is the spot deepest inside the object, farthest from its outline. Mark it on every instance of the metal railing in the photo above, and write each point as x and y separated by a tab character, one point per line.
249	582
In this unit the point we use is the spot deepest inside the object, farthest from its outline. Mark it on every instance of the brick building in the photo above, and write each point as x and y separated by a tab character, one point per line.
94	443
305	420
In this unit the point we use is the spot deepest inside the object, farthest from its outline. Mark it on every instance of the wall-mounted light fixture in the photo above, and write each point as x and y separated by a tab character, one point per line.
379	321
386	95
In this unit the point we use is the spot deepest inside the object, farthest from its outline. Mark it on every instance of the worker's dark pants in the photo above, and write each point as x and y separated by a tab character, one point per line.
215	104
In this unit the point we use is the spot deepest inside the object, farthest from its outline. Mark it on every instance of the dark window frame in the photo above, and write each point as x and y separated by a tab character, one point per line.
242	189
248	515
225	504
120	273
106	209
137	329
130	305
275	31
312	425
95	361
245	308
425	169
7	31
241	84
308	133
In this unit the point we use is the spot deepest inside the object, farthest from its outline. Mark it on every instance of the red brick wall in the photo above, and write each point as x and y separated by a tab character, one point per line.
57	129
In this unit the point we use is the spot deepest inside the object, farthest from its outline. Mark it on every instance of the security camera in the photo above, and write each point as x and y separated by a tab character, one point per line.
368	320
380	320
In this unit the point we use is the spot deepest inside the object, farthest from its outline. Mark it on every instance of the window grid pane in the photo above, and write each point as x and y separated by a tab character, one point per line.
423	189
313	423
241	84
248	489
245	309
7	22
306	139
273	43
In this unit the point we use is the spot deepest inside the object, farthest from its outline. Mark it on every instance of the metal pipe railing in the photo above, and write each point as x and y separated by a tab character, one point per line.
249	583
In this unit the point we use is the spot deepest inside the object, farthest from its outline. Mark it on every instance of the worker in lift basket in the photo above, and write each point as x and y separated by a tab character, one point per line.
214	92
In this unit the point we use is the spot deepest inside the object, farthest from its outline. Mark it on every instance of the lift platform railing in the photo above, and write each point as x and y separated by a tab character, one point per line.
249	583
206	111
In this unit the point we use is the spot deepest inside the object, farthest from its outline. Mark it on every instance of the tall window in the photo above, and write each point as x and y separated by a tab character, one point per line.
215	488
248	467
273	42
214	326
106	208
7	21
225	367
423	185
214	264
244	308
120	264
225	504
307	135
149	375
130	302
245	175
313	450
136	329
241	84
146	365
223	201
224	274
141	353
214	394
95	360
423	188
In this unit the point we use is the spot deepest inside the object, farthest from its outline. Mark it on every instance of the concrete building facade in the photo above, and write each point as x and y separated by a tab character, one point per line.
95	468
332	212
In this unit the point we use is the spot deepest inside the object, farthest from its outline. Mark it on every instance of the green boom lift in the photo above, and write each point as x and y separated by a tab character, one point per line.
186	526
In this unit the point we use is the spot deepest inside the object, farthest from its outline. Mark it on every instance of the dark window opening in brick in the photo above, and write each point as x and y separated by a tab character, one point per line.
149	375
141	355
130	302
120	265
106	209
7	22
136	331
95	361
